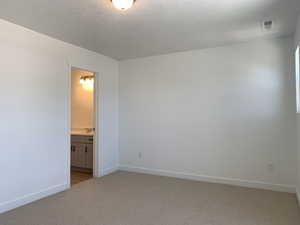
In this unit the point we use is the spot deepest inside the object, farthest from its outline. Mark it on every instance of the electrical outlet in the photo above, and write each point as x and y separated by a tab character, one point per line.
140	155
271	167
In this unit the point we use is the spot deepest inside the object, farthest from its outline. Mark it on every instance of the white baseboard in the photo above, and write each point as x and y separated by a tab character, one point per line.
12	204
211	179
110	170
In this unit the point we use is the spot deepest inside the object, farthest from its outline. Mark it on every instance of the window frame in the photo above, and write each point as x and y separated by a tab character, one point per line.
297	76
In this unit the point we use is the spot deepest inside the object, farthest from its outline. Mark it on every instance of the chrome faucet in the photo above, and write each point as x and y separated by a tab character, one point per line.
90	130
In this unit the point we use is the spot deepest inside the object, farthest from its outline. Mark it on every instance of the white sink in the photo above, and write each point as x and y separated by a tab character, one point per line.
83	131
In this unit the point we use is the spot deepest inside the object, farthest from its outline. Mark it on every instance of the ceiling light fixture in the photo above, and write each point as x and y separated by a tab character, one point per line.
123	4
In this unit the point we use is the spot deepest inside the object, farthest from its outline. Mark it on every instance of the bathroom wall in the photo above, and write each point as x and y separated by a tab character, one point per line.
82	111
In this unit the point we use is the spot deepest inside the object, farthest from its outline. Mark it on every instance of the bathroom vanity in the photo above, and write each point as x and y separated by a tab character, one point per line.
82	151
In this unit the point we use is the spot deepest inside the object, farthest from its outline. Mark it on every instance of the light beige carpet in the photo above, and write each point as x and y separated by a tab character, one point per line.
137	199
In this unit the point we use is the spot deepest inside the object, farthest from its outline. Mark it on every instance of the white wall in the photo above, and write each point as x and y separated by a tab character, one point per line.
297	33
297	42
34	114
224	114
82	101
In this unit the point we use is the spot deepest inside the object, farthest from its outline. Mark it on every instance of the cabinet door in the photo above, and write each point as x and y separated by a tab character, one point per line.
73	156
78	156
89	156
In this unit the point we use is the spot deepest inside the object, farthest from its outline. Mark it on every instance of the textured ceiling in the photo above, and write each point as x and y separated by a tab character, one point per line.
152	27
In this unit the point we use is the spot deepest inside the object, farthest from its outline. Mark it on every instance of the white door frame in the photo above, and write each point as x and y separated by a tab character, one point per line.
97	151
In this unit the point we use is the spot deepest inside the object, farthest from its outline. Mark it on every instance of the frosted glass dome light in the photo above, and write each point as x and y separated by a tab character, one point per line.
123	4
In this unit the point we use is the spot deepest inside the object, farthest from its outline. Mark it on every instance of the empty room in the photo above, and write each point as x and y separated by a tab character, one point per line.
150	112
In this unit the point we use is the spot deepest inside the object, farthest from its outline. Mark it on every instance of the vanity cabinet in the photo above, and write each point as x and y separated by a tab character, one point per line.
89	156
82	151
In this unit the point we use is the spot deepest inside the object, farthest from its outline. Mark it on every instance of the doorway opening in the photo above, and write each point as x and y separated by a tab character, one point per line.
83	126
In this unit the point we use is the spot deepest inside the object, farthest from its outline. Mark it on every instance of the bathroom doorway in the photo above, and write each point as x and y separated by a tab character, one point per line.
83	126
